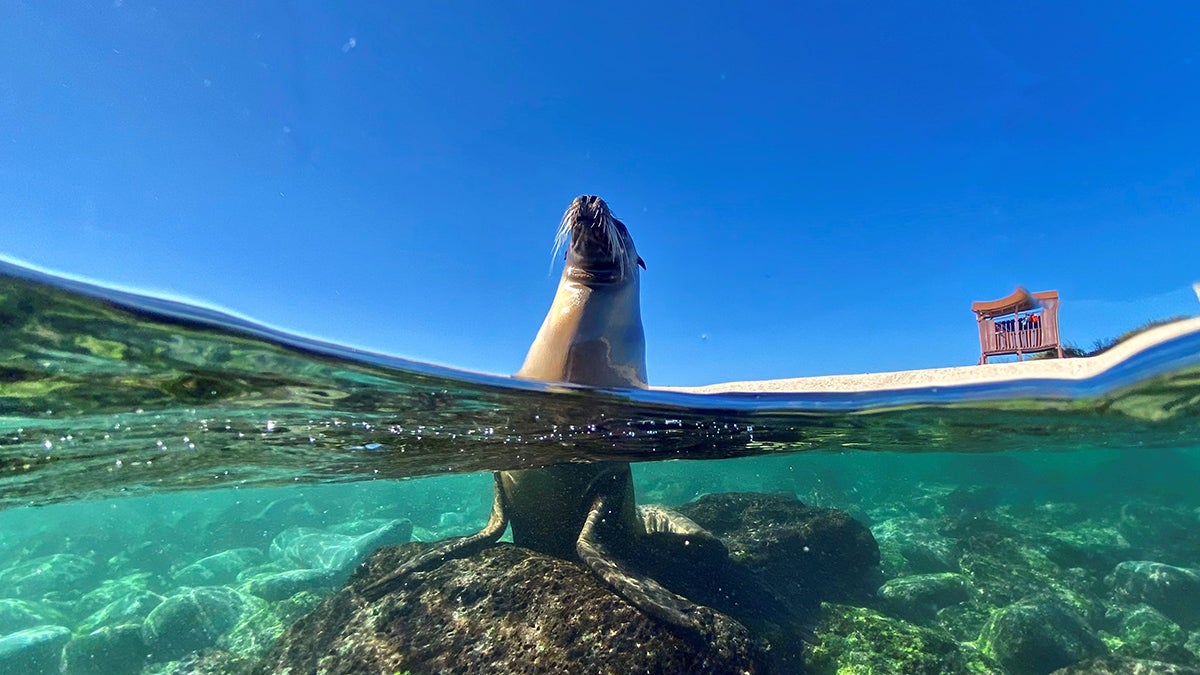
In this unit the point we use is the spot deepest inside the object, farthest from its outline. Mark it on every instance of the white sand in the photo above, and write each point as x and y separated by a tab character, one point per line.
1064	369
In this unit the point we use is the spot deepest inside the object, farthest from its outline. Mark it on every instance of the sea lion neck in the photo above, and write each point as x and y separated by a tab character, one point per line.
592	334
597	274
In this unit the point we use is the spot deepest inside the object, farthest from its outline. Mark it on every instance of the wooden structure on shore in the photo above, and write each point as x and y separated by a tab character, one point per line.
1021	323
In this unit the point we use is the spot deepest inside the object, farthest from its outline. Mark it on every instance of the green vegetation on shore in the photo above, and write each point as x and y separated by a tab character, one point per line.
1072	350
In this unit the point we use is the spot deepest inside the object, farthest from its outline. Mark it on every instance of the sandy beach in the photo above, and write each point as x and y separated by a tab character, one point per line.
1064	369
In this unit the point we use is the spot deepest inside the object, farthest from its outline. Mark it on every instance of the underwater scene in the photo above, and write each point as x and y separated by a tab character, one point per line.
186	491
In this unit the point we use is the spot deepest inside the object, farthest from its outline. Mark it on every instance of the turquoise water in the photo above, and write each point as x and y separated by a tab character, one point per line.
149	448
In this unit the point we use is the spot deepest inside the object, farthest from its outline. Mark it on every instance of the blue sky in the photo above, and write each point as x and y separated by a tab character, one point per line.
816	187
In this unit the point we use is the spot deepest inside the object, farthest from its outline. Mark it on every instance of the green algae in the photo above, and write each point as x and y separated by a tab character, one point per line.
861	641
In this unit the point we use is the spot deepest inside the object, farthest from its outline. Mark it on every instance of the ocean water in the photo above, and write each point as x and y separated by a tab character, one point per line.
150	448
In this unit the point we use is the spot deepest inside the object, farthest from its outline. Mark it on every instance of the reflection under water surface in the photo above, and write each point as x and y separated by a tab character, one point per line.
103	391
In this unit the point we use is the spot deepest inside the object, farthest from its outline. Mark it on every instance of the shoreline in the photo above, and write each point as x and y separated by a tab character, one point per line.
1055	369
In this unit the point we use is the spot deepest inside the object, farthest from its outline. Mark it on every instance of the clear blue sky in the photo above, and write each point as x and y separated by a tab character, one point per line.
816	187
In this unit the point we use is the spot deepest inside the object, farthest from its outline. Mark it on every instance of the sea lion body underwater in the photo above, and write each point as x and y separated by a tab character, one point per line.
593	336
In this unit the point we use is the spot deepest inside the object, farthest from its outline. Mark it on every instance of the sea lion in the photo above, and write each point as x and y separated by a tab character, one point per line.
592	335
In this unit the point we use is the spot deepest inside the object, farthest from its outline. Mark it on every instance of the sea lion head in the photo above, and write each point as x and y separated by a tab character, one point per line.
600	249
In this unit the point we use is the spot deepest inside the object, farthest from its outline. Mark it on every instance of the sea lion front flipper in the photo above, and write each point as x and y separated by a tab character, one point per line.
664	524
458	547
642	592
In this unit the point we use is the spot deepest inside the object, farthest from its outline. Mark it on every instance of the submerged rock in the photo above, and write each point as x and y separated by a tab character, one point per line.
64	573
254	634
1087	545
1164	533
193	620
920	596
359	528
1119	665
1143	632
914	546
17	615
111	650
161	550
214	661
250	523
1007	570
1039	635
33	651
130	608
859	640
263	570
283	585
804	554
221	568
1174	591
112	590
320	549
504	610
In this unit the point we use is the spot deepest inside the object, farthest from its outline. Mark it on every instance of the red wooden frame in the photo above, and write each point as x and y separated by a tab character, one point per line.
1021	323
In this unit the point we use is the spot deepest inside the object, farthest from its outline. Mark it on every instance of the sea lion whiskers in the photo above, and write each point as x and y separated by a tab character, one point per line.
603	225
562	234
